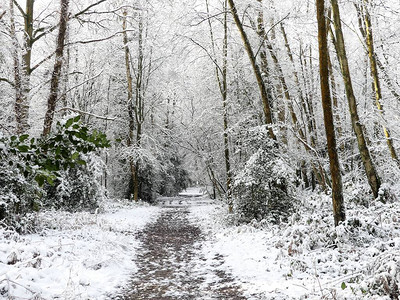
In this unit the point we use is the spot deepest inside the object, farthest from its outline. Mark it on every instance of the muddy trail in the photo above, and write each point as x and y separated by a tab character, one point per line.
170	263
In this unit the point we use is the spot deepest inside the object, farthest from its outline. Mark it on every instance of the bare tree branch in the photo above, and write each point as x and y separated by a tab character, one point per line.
87	113
87	8
270	29
42	61
19	8
2	14
71	17
78	85
101	39
8	81
207	52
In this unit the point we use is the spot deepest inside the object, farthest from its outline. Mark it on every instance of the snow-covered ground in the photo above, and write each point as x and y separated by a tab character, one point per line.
75	256
90	256
308	258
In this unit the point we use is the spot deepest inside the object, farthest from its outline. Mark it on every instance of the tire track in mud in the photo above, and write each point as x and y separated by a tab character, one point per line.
170	263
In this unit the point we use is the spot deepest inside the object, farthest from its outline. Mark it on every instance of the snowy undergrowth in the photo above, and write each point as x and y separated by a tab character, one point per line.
307	258
74	256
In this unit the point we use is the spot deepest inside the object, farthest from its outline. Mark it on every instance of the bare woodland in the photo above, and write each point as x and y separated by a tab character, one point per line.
254	99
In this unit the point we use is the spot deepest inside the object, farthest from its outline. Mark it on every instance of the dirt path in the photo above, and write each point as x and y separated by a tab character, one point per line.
171	265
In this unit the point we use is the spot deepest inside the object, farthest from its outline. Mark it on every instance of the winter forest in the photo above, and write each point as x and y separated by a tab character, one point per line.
205	149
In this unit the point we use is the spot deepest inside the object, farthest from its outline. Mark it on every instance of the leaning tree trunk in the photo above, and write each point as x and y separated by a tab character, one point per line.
337	189
367	33
265	97
55	77
371	173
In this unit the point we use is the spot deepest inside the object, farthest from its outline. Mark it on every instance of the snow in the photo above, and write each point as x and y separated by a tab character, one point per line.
82	256
308	258
92	256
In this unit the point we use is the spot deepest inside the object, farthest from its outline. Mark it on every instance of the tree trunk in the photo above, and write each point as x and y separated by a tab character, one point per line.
265	71
139	102
221	75
372	176
22	71
55	77
337	189
224	91
19	98
265	96
367	33
130	139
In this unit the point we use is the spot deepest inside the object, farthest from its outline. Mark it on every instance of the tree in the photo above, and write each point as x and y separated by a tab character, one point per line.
367	33
55	77
222	80
337	194
131	129
371	173
266	97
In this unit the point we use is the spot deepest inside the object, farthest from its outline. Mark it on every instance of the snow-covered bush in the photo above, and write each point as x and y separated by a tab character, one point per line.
18	196
60	159
77	189
263	189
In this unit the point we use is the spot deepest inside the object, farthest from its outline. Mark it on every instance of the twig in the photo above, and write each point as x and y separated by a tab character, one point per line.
86	113
7	80
5	128
79	84
101	39
14	282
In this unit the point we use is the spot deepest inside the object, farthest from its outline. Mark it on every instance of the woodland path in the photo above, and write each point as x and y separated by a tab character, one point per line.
170	263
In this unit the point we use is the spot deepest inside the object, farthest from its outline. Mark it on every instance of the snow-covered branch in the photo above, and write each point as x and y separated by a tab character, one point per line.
86	113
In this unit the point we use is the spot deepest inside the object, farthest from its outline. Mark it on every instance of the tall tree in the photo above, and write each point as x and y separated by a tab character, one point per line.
55	77
367	33
221	73
371	173
131	105
20	106
266	97
337	189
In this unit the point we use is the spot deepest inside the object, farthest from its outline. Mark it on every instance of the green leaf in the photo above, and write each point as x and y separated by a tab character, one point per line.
343	286
40	180
75	156
13	138
23	148
81	162
77	118
69	123
50	180
23	137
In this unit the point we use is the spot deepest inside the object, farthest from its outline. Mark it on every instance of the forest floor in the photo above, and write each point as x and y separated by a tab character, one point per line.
188	247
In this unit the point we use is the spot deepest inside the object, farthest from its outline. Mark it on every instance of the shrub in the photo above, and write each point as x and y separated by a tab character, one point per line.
263	189
29	168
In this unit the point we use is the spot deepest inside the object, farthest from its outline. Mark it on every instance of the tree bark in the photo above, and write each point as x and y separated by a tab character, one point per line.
368	35
221	75
130	139
265	97
55	77
21	121
337	189
371	173
22	71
